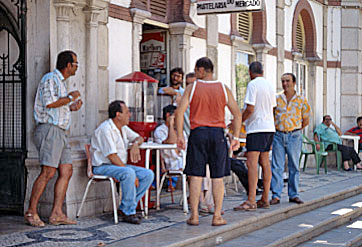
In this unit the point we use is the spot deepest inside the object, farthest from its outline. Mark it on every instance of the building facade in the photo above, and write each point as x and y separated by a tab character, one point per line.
318	40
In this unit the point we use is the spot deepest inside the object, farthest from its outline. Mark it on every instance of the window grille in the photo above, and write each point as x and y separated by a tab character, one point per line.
245	25
300	35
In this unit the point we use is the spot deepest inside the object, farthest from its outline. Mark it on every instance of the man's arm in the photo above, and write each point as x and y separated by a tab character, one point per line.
181	109
64	100
234	109
172	135
305	122
339	132
248	111
115	160
316	139
134	152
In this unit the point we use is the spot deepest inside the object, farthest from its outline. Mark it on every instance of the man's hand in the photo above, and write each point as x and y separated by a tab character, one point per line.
137	182
181	142
171	121
234	145
169	91
76	105
135	153
75	94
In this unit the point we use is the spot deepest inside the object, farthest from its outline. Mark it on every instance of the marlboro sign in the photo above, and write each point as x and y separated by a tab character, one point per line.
228	6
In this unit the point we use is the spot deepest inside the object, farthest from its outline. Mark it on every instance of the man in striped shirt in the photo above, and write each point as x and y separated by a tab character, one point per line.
357	131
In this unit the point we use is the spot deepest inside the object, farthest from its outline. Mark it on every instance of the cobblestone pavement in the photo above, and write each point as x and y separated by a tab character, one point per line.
101	230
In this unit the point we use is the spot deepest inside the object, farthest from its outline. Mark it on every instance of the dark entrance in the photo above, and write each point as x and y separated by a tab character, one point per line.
12	105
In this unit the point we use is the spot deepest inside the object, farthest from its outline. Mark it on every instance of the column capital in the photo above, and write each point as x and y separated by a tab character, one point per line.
63	10
262	48
92	15
182	28
139	15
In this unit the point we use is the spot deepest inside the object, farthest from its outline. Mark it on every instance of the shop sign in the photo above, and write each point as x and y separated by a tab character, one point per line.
153	51
227	6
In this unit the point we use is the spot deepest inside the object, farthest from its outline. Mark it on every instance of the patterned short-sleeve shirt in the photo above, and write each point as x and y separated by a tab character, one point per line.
289	117
50	89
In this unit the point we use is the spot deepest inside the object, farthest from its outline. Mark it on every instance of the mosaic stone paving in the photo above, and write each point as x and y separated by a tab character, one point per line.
101	230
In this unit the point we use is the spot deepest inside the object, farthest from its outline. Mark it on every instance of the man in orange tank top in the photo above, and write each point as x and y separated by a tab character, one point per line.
207	144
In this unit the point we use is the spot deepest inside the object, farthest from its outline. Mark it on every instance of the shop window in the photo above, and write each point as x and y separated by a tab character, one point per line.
300	36
245	25
301	76
242	75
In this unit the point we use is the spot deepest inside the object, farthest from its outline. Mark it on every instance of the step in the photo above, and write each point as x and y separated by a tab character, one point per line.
303	227
349	234
240	223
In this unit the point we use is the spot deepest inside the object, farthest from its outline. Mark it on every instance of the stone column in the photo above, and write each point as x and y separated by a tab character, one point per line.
139	16
280	22
91	70
212	41
63	10
351	67
261	50
180	35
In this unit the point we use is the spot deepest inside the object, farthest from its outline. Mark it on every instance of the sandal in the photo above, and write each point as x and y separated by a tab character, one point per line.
218	221
61	220
33	220
246	206
262	204
192	222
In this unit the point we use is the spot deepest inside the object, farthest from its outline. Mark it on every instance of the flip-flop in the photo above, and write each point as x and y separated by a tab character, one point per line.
33	220
218	221
262	204
246	206
61	220
192	222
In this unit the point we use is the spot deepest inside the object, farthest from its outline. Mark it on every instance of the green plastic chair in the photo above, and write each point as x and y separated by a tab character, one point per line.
338	155
320	156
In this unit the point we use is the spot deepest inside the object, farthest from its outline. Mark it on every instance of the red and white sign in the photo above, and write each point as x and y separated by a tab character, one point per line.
153	51
227	6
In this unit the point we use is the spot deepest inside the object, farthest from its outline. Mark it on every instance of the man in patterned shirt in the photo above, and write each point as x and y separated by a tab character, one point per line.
52	108
291	116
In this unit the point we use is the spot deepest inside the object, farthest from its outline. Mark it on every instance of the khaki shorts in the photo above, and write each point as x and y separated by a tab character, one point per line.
52	144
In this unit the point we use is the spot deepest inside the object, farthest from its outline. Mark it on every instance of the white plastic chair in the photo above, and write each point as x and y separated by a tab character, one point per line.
94	178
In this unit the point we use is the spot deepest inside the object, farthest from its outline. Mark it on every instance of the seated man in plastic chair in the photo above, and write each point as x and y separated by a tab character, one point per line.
329	135
109	146
166	134
357	131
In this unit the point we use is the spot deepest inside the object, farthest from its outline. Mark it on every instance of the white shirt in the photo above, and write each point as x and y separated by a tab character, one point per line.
261	94
172	160
107	139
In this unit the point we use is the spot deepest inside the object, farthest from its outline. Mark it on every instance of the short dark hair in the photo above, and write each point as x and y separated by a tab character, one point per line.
359	119
114	107
64	58
205	63
191	74
324	117
178	70
292	75
256	68
168	109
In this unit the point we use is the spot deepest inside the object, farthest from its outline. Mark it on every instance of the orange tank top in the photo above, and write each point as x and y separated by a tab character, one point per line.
207	104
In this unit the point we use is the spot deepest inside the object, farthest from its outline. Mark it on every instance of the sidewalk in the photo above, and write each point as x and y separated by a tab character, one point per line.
168	224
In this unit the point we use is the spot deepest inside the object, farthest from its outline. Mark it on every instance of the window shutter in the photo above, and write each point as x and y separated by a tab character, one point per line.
300	35
245	25
158	8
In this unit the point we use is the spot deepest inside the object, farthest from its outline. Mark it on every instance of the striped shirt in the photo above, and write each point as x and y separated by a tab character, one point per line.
50	89
358	131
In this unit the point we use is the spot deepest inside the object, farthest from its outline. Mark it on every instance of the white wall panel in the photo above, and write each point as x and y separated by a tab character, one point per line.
224	23
198	50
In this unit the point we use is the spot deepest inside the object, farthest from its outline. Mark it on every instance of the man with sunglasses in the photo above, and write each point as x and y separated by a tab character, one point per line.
291	115
329	135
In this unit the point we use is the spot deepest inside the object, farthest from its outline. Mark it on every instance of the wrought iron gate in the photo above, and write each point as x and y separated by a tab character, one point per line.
12	105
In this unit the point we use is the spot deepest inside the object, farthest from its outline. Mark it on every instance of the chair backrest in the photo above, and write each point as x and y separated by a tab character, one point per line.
89	161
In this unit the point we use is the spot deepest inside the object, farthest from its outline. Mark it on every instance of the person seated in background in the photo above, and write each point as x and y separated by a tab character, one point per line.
357	131
109	146
328	136
166	133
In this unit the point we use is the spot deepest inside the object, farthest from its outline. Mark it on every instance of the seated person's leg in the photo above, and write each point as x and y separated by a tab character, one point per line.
145	178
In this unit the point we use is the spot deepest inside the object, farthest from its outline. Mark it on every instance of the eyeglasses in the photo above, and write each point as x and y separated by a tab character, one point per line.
285	80
75	63
328	119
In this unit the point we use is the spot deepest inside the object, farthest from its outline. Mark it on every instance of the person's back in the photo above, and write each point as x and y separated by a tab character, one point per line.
262	119
207	104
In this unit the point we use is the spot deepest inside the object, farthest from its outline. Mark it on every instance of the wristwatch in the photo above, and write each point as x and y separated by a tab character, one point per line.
70	97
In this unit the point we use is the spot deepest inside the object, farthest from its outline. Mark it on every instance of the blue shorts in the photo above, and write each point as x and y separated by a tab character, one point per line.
260	142
207	145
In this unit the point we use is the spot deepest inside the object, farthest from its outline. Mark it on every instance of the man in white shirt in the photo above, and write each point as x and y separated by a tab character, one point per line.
109	146
259	123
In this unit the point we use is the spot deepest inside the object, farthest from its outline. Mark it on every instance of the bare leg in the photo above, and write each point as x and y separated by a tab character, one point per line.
252	163
218	194
39	185
265	164
60	189
195	189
